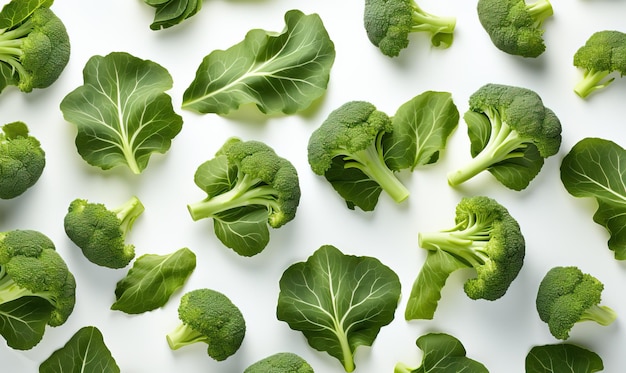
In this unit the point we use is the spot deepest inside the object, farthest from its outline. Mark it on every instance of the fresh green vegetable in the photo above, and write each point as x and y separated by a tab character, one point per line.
562	358
121	111
511	133
515	26
338	301
389	23
85	352
443	353
208	316
152	280
602	56
282	362
170	13
248	187
34	45
486	238
567	296
100	232
595	168
279	72
36	287
22	160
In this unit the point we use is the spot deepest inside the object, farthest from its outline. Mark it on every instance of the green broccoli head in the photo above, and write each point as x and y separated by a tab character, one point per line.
388	24
37	48
567	296
347	150
486	238
603	53
280	363
101	232
22	160
514	26
208	316
511	132
35	286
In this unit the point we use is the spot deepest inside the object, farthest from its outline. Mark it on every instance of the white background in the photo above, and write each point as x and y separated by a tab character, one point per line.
558	227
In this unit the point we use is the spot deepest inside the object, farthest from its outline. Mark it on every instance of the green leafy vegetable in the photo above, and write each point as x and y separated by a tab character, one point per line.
562	358
443	353
121	112
279	72
84	352
596	168
152	280
339	302
172	12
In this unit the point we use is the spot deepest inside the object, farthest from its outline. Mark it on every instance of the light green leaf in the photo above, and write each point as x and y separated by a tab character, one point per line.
244	230
152	280
562	358
339	302
17	11
85	352
121	112
282	72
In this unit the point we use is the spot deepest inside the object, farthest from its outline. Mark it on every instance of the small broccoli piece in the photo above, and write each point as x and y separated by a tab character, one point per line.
486	238
101	232
282	362
36	287
514	26
248	187
22	160
388	24
567	296
347	149
511	132
208	316
37	48
603	53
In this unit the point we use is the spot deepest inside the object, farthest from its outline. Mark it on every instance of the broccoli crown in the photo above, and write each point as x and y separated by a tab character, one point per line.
388	24
514	26
101	232
38	49
603	53
280	363
255	176
31	267
22	160
566	296
209	316
486	238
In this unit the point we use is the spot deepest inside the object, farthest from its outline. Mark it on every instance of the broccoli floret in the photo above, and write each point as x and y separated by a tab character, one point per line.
208	316
101	232
248	187
486	238
347	149
36	287
388	24
36	46
603	53
511	133
514	26
567	296
22	160
281	362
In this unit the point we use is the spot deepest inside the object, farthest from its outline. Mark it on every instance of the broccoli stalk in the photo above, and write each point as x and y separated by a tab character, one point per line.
602	54
440	27
540	10
603	315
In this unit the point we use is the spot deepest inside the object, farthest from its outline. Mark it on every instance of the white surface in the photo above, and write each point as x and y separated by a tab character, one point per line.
558	228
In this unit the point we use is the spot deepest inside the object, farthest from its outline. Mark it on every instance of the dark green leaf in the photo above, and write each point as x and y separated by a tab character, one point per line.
17	11
562	358
244	230
23	321
356	188
444	353
172	12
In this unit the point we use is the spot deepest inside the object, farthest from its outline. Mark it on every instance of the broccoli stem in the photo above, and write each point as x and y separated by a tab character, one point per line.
10	291
182	336
128	213
246	192
467	245
424	21
603	315
592	80
540	10
11	46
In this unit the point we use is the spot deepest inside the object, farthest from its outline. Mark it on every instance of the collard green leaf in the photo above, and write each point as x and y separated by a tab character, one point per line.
243	229
356	188
121	112
169	13
7	76
282	72
85	352
562	358
17	11
421	128
596	168
23	321
339	302
152	280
